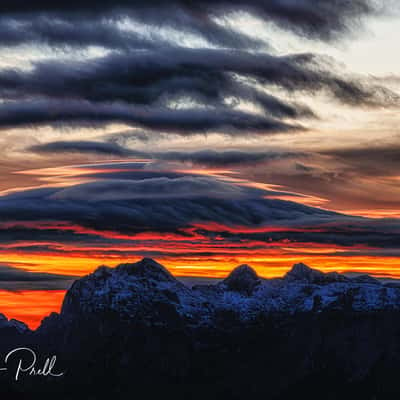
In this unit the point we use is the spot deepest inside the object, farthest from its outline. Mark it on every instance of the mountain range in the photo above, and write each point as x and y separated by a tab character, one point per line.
136	330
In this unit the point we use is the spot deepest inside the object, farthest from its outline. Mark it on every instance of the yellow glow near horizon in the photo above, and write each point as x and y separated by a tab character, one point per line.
216	267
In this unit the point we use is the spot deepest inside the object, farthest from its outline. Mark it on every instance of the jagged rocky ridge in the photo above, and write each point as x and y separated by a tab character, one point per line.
147	291
138	332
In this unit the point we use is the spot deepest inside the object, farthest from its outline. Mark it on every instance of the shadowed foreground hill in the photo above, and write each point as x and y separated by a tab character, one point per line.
137	331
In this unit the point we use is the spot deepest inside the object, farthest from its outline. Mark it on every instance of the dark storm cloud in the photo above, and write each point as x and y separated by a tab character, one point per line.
12	278
52	92
183	187
171	205
124	137
58	32
181	121
81	146
206	75
8	273
111	29
364	233
136	87
147	67
316	18
203	157
9	235
224	158
129	174
123	207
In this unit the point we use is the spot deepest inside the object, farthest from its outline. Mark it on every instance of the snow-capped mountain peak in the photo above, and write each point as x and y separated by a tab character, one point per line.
147	268
242	279
303	273
146	291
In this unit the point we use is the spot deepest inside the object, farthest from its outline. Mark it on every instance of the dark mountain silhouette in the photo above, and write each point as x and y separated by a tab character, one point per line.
136	331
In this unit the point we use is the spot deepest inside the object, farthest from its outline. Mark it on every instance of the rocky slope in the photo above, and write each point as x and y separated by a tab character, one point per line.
147	291
12	325
136	331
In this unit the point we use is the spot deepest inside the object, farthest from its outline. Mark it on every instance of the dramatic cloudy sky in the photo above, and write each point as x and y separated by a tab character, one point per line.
205	134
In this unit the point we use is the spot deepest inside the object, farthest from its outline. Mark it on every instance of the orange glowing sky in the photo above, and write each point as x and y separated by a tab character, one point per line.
203	249
30	306
81	258
77	194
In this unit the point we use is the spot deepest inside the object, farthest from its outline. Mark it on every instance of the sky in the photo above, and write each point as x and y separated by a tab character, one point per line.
205	135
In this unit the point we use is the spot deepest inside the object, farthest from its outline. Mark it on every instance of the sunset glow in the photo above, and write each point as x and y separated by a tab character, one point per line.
213	136
206	247
31	306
